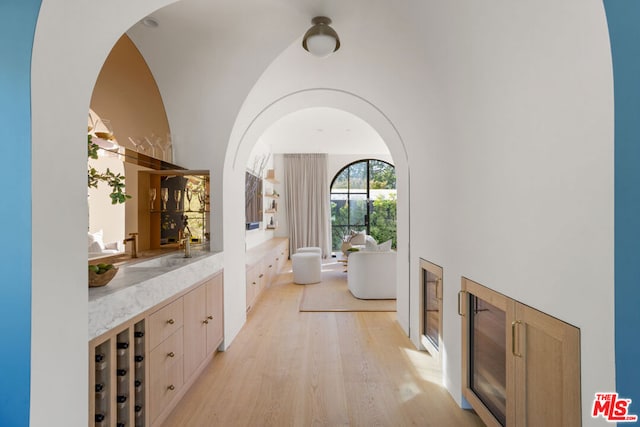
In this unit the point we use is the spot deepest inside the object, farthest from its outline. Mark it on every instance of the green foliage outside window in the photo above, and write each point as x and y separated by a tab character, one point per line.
348	201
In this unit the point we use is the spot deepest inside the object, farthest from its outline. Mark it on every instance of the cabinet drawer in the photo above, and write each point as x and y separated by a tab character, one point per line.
166	372
165	322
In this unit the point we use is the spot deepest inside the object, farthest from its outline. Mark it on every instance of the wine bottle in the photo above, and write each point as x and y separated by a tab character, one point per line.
99	387
121	372
120	425
123	345
99	418
138	383
138	334
101	361
121	398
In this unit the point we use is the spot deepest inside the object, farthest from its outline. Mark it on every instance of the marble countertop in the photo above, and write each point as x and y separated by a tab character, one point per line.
139	286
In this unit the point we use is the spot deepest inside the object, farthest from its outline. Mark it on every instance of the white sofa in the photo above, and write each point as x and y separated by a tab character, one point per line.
372	274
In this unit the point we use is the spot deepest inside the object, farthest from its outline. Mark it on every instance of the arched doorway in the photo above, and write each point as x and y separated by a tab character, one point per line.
364	197
244	136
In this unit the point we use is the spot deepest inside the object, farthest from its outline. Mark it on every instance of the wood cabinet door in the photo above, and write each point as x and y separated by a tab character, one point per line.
431	307
487	369
195	329
215	312
166	373
252	284
547	365
165	322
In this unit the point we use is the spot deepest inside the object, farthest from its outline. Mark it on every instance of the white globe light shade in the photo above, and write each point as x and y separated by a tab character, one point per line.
321	45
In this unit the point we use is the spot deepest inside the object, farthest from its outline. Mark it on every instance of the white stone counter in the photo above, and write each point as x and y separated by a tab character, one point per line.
140	286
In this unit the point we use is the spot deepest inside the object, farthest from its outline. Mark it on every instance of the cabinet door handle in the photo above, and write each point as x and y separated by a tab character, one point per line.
270	265
260	276
439	285
171	387
205	321
171	321
514	325
460	294
210	317
171	354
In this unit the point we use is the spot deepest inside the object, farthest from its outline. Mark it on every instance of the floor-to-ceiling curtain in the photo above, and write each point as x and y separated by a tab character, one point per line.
307	201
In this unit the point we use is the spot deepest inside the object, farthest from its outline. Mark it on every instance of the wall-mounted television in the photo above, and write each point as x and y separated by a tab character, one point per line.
253	200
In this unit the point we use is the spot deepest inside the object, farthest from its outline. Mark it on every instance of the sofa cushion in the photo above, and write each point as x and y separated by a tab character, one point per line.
96	243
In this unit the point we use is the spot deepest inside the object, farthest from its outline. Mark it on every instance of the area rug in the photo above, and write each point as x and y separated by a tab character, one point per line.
332	294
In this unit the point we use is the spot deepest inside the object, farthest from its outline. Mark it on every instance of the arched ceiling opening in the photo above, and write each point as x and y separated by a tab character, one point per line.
323	129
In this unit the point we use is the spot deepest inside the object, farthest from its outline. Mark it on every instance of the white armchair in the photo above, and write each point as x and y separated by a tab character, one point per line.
372	275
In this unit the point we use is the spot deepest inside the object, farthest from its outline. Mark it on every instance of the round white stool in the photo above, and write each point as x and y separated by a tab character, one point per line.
306	267
312	249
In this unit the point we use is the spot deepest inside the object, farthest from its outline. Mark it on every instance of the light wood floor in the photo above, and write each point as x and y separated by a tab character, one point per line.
288	368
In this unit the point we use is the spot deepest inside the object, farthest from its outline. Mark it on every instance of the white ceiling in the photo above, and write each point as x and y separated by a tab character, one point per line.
323	130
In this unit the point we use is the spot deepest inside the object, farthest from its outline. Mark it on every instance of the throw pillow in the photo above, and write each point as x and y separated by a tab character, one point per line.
358	238
385	247
370	244
96	244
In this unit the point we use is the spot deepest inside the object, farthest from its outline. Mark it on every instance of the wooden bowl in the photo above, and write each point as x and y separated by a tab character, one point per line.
96	279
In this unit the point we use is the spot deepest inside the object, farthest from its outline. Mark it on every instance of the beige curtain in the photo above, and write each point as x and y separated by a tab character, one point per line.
307	201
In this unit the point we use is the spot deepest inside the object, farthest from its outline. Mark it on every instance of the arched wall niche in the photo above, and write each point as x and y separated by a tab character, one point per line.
70	45
244	137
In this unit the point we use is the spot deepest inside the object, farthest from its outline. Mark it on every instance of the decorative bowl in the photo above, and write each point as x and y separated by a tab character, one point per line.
96	280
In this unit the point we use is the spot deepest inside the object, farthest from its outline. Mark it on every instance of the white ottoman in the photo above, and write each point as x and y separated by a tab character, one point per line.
306	267
312	249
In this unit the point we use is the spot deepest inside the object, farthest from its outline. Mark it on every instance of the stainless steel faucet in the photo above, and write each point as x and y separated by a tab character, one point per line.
133	239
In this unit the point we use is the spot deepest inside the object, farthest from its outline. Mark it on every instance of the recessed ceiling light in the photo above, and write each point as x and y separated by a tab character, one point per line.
150	22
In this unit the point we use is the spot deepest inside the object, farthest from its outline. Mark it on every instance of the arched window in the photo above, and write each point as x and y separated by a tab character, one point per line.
363	197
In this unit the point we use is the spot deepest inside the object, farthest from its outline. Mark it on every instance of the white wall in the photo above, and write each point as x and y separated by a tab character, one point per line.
500	117
70	47
517	193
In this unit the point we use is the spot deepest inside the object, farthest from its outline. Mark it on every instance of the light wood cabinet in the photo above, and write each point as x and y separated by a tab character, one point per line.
165	322
139	370
431	307
252	285
215	313
520	366
166	372
547	370
203	323
264	264
195	335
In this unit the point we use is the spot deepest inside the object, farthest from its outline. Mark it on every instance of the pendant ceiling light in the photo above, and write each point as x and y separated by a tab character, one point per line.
321	40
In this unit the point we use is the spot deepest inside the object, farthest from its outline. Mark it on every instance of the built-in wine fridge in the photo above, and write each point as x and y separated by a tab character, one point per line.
431	302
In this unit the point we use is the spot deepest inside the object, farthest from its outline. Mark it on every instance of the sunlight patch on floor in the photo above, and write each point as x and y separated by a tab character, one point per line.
425	366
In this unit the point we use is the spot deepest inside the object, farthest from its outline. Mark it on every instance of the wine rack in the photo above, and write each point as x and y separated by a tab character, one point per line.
138	371
117	377
102	384
140	374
